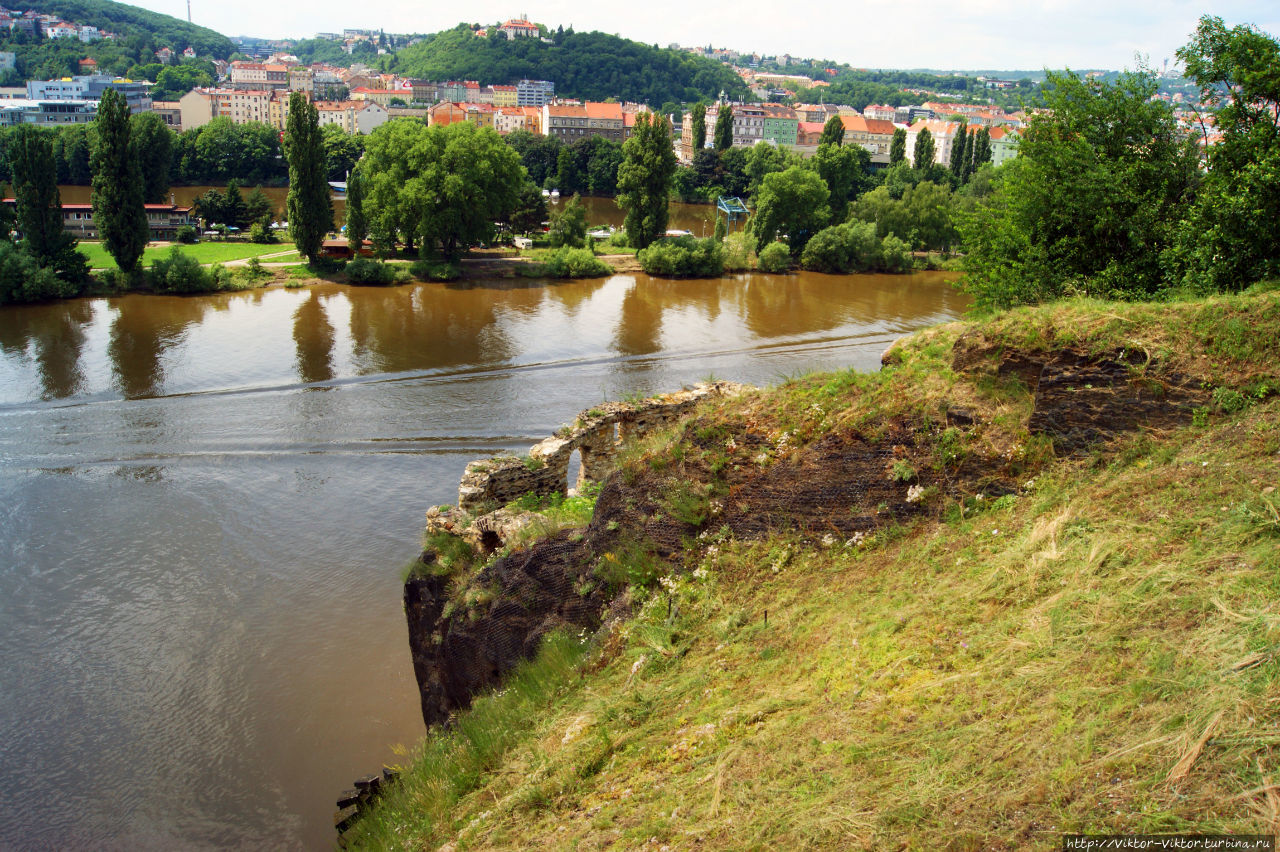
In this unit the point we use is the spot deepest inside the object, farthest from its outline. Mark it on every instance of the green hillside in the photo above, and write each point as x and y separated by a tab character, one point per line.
131	21
592	66
1021	582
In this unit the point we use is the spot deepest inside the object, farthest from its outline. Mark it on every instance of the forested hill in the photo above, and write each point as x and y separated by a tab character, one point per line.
131	21
592	66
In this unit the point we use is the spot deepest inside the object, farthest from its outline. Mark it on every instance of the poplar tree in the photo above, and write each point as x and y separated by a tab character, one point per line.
832	132
38	205
309	205
699	127
898	147
924	150
357	224
981	149
118	208
644	178
724	129
959	153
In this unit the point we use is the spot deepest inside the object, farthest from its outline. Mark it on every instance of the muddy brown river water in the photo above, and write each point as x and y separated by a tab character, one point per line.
206	503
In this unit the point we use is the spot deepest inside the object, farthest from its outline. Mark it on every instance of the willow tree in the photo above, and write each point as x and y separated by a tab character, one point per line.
644	179
310	206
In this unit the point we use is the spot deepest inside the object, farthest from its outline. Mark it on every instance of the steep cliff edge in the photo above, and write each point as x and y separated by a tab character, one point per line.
997	591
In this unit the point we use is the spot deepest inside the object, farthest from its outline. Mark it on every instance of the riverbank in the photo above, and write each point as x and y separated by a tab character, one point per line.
1016	584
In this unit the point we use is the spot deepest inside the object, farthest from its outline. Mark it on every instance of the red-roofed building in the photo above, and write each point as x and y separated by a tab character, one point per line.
519	28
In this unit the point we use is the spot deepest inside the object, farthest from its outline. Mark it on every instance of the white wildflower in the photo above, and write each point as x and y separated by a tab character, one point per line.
857	539
731	444
915	494
699	573
669	583
828	540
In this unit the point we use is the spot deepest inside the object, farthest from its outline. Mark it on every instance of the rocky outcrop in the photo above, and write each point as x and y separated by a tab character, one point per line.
837	489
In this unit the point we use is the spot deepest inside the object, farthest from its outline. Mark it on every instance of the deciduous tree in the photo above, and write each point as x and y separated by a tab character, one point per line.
791	204
832	132
898	147
644	179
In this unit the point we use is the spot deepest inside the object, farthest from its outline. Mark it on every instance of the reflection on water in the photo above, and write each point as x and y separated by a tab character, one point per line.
200	554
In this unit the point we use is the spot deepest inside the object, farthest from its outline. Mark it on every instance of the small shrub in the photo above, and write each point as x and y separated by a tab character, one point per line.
185	234
895	255
180	273
686	257
737	252
23	280
566	262
260	233
618	239
774	258
435	270
370	272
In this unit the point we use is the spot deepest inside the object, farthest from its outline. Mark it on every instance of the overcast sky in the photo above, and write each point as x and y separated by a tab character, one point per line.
992	34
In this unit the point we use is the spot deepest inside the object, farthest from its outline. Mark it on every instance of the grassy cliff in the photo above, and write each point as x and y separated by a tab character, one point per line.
1020	582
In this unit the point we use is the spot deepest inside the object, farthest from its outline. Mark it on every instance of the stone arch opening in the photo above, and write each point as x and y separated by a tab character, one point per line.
573	473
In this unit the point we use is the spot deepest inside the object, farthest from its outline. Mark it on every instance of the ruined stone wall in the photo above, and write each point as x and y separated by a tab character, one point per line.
597	435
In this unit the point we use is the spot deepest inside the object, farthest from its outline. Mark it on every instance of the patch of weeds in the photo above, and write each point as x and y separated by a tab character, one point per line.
949	447
901	471
453	554
687	503
1200	416
630	563
533	463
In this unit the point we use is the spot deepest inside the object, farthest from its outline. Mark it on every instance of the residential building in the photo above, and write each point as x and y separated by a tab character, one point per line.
809	133
607	120
371	115
301	79
909	114
258	76
535	93
424	92
163	220
379	96
748	124
446	113
943	133
244	106
575	121
8	60
170	112
815	112
880	112
1004	145
504	96
780	125
873	134
340	113
197	108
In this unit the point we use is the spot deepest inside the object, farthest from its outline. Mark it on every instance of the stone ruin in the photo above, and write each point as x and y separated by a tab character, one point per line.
597	435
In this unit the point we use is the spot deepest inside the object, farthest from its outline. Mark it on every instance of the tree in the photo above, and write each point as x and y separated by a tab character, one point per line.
791	204
234	209
530	210
357	225
699	126
1232	237
924	149
38	206
118	210
724	128
844	170
1100	183
960	153
257	208
832	132
341	151
981	149
644	179
898	147
569	224
152	142
309	204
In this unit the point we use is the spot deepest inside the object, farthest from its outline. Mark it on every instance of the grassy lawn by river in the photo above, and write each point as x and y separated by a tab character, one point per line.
213	252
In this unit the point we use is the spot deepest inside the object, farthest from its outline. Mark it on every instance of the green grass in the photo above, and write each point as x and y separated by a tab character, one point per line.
990	677
203	252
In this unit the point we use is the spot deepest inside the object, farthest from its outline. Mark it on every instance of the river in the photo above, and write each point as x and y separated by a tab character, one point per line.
206	504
